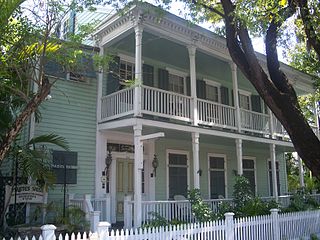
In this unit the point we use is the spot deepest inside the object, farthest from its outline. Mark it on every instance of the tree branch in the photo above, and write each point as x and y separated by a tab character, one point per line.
208	8
308	26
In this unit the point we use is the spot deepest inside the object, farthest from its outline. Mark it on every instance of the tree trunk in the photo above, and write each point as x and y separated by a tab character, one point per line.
276	91
23	117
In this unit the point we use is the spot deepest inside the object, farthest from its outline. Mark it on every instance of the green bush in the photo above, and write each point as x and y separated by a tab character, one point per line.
301	201
200	210
159	221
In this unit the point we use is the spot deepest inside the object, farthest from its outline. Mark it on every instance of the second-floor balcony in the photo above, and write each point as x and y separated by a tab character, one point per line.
170	105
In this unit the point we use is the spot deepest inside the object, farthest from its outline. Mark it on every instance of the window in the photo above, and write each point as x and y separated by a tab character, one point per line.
249	172
244	101
178	174
64	166
212	91
127	71
65	29
217	178
176	83
270	177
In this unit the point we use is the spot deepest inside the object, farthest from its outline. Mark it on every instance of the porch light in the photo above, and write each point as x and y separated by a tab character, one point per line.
155	164
108	160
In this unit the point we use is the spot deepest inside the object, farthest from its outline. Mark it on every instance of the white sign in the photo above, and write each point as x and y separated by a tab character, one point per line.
27	194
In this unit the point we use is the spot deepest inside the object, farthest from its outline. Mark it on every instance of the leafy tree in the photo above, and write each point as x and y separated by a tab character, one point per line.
28	43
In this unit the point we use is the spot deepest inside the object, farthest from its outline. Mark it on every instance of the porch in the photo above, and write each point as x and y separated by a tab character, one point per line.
151	102
171	210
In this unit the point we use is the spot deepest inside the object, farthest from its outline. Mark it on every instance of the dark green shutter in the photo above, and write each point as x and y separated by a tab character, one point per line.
148	75
113	75
201	89
188	86
87	67
72	22
256	103
52	68
163	79
224	95
232	98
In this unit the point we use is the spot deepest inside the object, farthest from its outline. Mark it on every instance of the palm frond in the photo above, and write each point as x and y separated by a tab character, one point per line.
50	138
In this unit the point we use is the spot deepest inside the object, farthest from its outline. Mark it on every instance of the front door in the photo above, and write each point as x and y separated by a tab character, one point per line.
124	184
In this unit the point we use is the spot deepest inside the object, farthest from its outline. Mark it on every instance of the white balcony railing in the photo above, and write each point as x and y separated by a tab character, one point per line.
165	104
216	114
170	105
117	104
254	121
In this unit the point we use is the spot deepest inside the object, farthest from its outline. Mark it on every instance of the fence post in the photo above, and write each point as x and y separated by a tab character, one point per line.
86	200
127	211
229	225
275	223
94	220
48	232
103	228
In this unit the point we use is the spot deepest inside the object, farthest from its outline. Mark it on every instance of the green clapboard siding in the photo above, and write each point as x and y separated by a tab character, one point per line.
71	113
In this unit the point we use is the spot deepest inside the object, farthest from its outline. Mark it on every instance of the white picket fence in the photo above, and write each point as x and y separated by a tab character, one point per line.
298	225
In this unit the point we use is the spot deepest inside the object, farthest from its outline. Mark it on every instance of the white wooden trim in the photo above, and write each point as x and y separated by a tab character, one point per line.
184	128
244	92
224	156
177	72
182	152
127	58
255	171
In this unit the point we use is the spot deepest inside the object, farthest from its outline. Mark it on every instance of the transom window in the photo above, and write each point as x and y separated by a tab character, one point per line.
249	172
270	177
178	174
127	71
176	83
217	176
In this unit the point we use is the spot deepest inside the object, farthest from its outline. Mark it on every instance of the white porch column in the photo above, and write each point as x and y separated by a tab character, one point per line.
100	139
301	172
138	165
193	84
236	95
196	165
274	171
239	156
138	68
271	126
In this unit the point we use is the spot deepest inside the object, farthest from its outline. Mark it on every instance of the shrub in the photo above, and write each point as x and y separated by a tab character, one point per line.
200	210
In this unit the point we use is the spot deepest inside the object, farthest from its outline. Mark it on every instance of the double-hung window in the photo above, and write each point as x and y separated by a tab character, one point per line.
244	100
249	170
271	179
217	178
176	84
177	173
127	71
212	91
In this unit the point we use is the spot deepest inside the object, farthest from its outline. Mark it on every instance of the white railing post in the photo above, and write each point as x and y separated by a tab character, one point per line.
108	208
127	211
275	224
94	220
48	232
86	205
70	196
229	225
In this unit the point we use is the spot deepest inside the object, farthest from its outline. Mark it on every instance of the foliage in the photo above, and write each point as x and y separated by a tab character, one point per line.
301	201
159	221
200	210
241	192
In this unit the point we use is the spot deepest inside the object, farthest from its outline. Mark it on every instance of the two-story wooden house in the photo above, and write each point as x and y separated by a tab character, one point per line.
189	119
